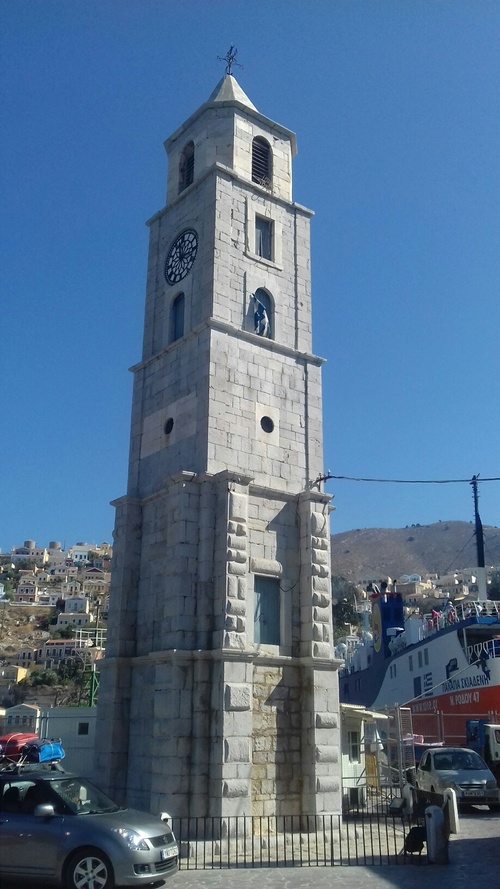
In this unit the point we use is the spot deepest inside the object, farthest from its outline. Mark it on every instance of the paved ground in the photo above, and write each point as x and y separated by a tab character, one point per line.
474	860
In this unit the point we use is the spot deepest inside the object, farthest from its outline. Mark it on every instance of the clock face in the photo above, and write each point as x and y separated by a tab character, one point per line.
181	256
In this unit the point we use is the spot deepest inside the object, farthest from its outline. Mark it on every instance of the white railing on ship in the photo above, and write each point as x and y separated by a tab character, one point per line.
456	613
482	651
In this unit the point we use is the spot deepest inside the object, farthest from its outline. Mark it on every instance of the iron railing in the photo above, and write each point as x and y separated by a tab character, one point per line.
358	838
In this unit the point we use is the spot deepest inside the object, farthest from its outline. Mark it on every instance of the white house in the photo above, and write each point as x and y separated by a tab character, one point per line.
22	718
361	753
74	620
70	588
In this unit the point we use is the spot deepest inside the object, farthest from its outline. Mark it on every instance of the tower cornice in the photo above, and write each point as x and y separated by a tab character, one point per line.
222	168
247	336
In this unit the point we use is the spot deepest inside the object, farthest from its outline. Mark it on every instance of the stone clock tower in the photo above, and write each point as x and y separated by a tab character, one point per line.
219	691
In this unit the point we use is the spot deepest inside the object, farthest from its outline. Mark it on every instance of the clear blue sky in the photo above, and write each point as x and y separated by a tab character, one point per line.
395	104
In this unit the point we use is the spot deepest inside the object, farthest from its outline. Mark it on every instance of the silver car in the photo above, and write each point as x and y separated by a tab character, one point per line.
461	769
59	827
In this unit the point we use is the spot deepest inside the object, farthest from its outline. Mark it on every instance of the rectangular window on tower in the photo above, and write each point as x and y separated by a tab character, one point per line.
266	611
264	237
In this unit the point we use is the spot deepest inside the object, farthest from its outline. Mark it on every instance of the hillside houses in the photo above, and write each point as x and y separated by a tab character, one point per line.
75	581
433	590
54	652
49	574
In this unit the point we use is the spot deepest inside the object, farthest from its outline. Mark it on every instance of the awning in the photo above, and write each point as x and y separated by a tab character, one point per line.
362	712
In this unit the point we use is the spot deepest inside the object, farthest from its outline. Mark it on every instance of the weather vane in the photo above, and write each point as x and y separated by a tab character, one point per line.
230	59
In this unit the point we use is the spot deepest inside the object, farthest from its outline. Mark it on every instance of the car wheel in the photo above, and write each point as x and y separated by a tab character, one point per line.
89	869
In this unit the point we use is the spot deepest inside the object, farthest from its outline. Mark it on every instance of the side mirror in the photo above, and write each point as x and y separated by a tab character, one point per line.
44	810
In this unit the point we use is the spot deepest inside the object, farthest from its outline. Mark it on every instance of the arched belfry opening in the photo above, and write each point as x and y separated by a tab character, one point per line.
262	162
186	167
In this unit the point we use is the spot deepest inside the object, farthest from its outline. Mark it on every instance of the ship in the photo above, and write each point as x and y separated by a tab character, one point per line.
443	665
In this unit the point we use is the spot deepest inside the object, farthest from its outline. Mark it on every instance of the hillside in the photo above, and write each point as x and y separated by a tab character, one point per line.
19	628
424	549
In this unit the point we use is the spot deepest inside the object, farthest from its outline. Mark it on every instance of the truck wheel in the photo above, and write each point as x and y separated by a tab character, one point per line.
89	869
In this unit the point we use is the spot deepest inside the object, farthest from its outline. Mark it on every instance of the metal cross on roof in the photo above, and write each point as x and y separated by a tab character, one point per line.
230	59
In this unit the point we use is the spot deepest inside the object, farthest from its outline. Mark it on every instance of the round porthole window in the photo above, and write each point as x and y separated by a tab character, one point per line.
169	425
267	424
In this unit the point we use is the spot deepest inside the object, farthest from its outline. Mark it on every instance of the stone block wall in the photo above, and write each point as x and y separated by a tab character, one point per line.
234	728
277	775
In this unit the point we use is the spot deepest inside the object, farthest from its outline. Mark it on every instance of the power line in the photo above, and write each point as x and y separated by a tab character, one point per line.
405	481
471	538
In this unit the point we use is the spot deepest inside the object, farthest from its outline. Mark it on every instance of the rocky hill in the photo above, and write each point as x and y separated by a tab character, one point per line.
19	628
417	549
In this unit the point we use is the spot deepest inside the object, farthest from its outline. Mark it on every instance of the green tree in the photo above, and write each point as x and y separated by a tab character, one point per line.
43	677
24	565
70	671
344	589
43	622
63	632
16	695
344	595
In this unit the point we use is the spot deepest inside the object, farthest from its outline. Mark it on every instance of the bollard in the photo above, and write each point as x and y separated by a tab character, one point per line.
450	802
407	795
437	840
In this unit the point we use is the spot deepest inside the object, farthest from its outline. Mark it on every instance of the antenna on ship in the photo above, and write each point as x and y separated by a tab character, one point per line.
481	568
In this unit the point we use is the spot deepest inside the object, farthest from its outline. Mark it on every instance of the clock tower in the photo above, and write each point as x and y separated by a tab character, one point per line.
219	691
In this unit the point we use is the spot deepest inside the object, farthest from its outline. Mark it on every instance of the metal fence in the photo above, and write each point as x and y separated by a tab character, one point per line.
358	838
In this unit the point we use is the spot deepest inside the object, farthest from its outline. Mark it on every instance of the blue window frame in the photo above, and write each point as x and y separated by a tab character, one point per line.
267	611
264	237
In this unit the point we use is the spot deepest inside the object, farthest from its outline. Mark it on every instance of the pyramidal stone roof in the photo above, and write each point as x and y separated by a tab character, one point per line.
229	90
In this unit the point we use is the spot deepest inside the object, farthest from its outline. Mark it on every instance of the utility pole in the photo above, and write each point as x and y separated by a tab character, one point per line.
481	568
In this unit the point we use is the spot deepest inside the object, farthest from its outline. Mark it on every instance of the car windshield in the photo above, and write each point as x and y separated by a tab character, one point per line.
458	761
81	797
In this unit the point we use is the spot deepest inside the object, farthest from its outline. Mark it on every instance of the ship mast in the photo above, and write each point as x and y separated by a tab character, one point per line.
481	568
